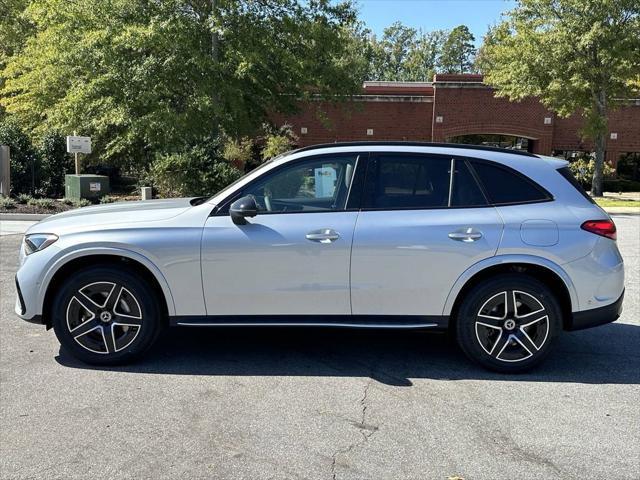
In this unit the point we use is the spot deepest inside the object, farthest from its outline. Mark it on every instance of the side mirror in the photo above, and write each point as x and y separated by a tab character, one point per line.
242	208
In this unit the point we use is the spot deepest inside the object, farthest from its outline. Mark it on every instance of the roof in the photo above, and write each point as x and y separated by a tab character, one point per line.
414	144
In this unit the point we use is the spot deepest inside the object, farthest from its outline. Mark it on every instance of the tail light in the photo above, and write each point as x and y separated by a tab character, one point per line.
604	228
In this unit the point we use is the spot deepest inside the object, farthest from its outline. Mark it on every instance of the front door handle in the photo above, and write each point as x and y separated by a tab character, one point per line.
324	235
466	235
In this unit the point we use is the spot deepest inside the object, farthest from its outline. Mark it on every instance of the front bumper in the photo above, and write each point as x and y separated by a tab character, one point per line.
596	316
21	307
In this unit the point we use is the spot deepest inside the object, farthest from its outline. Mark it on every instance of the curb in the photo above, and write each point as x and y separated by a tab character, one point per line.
30	217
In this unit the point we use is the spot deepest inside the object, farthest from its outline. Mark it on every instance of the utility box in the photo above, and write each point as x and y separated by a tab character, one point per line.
86	186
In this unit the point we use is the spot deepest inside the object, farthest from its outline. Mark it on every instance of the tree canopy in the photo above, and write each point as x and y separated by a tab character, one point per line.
458	51
142	77
575	55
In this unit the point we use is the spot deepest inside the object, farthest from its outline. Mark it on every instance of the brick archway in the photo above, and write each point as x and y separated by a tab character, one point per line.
540	138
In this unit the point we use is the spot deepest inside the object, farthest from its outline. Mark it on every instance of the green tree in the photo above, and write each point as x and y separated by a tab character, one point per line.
145	77
575	55
458	51
24	157
405	54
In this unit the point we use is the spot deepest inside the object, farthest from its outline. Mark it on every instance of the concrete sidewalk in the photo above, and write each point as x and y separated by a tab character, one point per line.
14	227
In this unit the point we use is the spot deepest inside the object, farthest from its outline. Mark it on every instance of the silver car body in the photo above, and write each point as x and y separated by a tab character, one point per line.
384	263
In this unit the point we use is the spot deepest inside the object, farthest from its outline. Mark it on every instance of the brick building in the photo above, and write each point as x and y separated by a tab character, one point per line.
456	108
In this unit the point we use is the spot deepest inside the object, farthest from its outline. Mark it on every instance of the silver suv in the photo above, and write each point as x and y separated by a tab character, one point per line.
501	248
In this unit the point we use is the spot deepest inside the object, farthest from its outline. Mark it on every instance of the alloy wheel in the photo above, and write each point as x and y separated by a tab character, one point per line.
511	326
104	317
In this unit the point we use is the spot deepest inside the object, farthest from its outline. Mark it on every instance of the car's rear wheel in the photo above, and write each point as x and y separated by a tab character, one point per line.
508	324
105	316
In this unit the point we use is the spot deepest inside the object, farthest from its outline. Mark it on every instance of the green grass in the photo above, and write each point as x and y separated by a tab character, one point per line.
611	202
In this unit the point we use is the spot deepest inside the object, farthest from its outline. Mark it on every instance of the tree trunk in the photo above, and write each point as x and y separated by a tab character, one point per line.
596	182
601	143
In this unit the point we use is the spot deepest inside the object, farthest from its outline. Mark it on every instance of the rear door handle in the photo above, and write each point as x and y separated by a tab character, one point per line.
466	235
324	235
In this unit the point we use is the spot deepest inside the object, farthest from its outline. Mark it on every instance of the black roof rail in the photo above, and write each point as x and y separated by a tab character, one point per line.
413	144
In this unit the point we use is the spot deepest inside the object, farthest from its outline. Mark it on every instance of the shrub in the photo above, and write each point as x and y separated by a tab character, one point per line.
46	203
7	203
584	168
278	141
24	157
32	202
198	171
83	202
108	199
238	152
68	201
23	198
621	185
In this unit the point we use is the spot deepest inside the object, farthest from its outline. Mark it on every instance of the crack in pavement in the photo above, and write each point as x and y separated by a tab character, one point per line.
366	430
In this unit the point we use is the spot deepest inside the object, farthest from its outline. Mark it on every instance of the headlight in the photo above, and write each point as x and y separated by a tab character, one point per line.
38	241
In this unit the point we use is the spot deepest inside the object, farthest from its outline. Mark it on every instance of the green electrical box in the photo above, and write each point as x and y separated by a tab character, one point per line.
86	186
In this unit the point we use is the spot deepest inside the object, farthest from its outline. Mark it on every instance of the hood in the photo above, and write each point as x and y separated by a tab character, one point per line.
88	218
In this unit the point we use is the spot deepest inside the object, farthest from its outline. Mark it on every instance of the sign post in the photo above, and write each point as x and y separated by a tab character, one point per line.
75	145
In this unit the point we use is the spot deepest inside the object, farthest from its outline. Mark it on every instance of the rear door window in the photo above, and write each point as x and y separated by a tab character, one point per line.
397	181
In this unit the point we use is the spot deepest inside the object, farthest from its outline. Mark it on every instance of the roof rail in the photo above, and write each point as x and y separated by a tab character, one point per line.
413	144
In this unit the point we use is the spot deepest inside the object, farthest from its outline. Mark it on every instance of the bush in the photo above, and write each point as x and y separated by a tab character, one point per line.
24	157
107	199
41	203
56	162
238	152
621	185
584	168
278	141
82	202
23	198
197	172
7	203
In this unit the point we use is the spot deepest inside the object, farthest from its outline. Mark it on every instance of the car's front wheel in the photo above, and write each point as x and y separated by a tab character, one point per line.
106	315
509	323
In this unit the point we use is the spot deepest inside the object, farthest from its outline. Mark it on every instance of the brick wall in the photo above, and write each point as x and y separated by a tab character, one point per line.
450	106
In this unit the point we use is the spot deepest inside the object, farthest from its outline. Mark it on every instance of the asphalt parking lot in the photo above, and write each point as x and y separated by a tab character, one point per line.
285	404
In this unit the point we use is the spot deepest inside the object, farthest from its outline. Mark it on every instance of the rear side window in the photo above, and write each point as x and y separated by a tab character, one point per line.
420	182
504	186
568	176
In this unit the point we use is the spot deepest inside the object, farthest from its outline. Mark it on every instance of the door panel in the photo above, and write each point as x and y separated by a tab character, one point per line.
404	262
270	267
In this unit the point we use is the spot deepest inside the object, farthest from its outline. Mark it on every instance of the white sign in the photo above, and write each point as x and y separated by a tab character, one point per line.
78	144
369	131
614	136
94	186
325	179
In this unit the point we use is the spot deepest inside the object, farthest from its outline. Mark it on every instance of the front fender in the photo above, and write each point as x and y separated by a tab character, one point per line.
66	256
504	260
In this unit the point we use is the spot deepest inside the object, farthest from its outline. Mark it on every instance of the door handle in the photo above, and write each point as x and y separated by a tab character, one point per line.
324	235
466	235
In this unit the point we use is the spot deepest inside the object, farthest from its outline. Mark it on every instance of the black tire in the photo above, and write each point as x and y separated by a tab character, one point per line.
130	328
509	337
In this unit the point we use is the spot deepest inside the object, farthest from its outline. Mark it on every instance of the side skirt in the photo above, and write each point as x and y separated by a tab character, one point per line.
436	322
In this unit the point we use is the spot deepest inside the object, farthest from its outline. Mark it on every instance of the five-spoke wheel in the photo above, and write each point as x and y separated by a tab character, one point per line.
507	323
106	315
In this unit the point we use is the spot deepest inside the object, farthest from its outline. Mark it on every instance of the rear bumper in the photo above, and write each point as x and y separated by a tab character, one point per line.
597	316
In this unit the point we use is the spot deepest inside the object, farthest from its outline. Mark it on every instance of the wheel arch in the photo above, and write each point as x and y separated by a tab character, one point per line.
539	268
111	257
